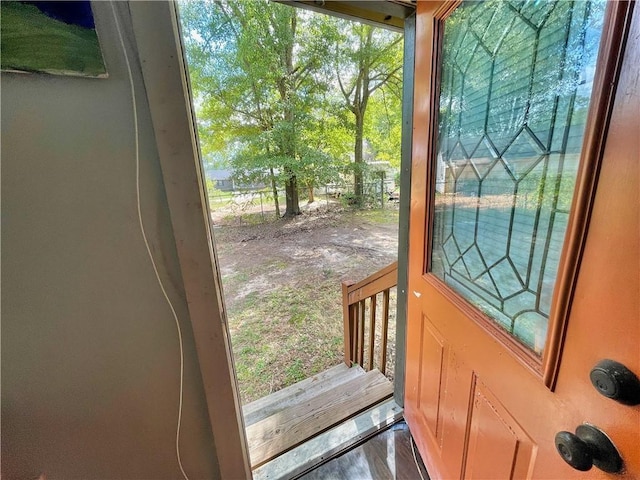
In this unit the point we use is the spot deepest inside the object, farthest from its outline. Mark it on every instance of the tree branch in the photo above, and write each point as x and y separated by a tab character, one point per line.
384	80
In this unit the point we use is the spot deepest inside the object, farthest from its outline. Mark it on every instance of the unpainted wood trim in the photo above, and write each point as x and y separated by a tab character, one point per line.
157	35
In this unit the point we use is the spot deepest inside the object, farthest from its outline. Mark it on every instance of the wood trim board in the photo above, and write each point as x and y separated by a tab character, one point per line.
157	35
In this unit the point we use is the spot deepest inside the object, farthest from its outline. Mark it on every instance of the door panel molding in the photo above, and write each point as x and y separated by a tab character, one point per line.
432	377
496	445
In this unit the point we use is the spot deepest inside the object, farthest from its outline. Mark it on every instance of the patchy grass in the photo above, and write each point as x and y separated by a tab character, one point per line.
378	217
282	286
247	219
282	336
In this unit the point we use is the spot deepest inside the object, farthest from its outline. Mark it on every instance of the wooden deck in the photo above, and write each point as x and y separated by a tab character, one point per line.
279	422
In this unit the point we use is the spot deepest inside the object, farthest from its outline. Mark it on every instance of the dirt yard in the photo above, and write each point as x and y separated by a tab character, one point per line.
282	286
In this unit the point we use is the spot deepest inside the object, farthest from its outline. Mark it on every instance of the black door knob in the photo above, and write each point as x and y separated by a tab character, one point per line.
574	451
615	381
587	447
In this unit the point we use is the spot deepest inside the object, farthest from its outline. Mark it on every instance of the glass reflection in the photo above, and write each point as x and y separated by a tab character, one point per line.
515	89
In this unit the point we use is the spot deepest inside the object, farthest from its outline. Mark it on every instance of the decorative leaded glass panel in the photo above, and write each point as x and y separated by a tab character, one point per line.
515	90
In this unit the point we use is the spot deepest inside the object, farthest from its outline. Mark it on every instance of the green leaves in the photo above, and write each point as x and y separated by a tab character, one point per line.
276	89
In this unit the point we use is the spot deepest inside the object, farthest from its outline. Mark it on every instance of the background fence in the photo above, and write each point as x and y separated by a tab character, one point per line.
254	206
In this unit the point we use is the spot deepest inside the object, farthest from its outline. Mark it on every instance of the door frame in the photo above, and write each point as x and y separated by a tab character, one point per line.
156	28
157	34
404	207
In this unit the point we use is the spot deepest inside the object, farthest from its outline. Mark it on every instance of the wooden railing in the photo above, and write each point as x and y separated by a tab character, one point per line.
358	300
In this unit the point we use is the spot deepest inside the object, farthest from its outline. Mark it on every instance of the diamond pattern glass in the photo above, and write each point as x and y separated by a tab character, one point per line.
515	89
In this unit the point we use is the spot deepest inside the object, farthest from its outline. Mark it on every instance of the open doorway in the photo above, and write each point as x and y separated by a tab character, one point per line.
299	119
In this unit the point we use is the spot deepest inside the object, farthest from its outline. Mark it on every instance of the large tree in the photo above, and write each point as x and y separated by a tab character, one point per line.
324	148
383	125
254	69
365	60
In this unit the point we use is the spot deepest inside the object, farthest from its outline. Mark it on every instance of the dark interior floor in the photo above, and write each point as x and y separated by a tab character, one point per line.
388	455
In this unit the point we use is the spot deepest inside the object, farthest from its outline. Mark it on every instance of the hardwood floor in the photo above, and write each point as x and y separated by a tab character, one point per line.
386	456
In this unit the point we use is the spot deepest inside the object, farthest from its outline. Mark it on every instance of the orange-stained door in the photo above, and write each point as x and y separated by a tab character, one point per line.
524	255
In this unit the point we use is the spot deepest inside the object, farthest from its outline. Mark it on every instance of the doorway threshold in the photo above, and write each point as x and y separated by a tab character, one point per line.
302	426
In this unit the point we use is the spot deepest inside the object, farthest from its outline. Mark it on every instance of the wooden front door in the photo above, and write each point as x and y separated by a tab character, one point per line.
524	255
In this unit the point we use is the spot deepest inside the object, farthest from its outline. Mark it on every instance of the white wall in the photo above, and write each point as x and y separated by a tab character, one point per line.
90	359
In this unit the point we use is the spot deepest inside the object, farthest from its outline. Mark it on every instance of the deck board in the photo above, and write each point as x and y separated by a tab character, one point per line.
331	443
287	428
298	393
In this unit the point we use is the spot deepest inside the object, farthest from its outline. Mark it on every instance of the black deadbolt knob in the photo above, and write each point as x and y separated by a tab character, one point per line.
574	451
589	446
615	381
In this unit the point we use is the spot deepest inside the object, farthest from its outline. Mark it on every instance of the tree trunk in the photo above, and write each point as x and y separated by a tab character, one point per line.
274	189
358	159
310	189
288	145
291	189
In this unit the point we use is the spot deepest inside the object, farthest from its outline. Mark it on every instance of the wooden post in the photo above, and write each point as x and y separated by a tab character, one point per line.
372	329
385	327
355	325
361	315
348	324
354	298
